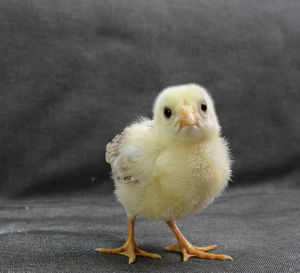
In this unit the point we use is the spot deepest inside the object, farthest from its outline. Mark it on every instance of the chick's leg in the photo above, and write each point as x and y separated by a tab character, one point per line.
188	250
130	247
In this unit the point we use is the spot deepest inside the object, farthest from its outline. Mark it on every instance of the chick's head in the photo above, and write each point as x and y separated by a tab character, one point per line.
185	113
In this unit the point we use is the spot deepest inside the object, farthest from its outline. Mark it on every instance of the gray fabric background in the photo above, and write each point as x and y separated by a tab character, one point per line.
74	73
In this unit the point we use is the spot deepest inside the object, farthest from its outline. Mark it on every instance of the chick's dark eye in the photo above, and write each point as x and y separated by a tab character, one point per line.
167	112
203	107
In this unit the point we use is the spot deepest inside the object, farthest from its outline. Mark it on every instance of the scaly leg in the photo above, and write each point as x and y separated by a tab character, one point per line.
189	250
130	248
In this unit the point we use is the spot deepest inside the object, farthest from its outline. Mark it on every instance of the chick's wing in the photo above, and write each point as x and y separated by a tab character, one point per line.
127	154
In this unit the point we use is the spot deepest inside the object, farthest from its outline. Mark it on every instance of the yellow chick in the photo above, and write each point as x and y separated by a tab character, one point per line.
170	167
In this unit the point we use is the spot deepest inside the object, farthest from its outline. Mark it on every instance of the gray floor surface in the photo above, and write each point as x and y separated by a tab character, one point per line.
258	225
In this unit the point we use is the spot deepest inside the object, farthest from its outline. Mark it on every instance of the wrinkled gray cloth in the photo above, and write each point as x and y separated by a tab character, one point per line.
75	73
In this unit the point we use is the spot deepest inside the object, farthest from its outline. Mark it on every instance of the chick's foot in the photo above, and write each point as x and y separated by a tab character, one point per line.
202	248
188	250
130	248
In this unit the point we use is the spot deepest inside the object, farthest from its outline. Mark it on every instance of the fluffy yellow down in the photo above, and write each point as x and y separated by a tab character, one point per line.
177	178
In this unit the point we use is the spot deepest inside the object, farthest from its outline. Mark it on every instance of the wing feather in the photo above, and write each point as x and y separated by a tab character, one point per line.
120	154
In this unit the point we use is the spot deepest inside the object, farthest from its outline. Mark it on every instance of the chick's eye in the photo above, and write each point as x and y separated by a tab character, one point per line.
167	112
203	107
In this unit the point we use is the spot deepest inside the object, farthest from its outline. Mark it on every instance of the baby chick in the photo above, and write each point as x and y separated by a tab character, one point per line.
170	167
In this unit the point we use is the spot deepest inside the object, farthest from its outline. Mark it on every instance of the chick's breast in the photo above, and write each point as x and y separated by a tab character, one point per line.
186	179
170	181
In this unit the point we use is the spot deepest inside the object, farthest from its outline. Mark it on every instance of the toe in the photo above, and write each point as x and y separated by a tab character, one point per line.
147	254
211	256
206	248
185	255
227	257
109	251
132	259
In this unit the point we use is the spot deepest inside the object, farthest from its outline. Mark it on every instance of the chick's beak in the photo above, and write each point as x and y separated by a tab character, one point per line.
188	116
